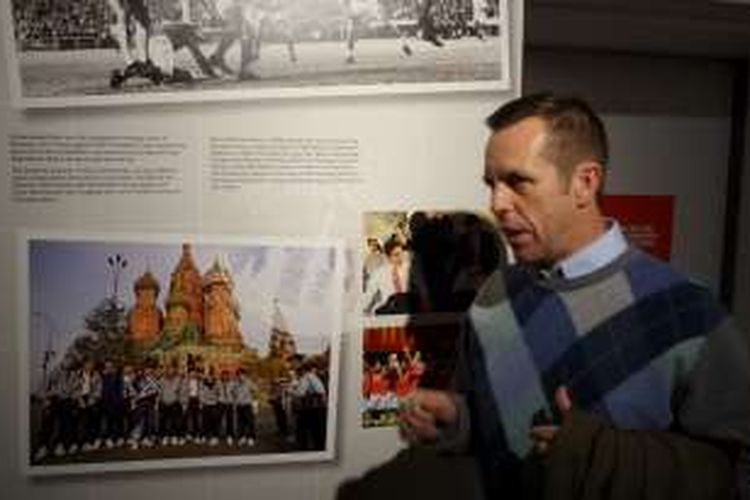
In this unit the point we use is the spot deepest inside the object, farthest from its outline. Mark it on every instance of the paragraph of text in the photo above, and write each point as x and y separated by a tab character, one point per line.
236	162
47	168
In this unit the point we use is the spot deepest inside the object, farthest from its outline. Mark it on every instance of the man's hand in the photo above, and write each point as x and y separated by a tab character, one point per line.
423	413
544	435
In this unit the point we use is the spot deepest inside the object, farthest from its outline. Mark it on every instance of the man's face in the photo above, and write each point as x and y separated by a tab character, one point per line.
396	257
528	196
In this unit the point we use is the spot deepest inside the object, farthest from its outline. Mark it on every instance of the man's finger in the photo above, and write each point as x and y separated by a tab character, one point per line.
543	432
406	431
424	412
541	448
562	400
417	417
416	428
543	436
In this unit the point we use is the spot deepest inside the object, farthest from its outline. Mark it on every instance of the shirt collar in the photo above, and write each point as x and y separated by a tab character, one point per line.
597	254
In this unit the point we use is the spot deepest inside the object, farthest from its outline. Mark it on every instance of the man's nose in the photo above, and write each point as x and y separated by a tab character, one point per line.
501	199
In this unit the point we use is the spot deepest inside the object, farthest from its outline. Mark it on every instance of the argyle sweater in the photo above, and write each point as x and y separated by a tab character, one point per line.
635	343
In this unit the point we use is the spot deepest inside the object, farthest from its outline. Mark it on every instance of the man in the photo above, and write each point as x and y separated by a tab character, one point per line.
279	15
66	388
588	369
50	408
192	406
112	406
243	20
89	403
393	288
171	387
131	28
144	404
358	13
174	29
280	400
374	259
209	402
156	31
123	12
244	390
389	280
310	408
129	392
225	408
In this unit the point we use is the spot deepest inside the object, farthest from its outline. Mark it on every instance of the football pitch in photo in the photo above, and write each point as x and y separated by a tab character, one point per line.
377	62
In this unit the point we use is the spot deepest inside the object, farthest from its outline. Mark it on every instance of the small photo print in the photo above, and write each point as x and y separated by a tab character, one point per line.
425	262
178	352
397	360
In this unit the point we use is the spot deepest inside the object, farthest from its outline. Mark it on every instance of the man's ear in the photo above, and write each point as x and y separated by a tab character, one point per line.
586	182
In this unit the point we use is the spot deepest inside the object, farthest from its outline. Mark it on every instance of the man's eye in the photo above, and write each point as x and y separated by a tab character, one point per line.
515	181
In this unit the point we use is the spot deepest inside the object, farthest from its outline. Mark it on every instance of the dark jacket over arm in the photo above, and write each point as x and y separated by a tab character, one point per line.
593	461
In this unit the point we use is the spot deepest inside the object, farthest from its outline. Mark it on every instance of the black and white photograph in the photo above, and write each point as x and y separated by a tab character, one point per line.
100	52
143	354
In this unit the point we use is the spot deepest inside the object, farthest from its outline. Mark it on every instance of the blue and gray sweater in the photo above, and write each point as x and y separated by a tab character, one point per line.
634	342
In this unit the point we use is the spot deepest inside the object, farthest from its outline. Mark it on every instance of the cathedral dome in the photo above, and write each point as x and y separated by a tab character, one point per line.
217	275
146	281
177	299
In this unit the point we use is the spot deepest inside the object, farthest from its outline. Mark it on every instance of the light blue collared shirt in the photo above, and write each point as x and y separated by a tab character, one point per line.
597	254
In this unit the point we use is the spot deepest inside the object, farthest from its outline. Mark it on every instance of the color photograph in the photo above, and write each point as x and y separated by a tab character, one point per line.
181	352
396	360
425	262
100	52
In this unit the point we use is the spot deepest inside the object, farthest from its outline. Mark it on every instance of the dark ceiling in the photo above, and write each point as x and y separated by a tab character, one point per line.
679	27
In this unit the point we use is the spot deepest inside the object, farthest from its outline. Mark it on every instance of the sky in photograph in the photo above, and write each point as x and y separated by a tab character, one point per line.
67	279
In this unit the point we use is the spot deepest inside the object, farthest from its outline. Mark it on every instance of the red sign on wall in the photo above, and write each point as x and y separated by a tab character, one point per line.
645	219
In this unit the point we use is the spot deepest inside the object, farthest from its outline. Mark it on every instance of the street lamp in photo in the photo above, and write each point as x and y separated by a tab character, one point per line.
116	264
47	329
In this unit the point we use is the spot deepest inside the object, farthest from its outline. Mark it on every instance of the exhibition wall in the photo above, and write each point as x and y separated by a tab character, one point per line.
141	172
669	126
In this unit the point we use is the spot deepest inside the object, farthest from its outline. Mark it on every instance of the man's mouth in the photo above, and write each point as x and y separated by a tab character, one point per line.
516	236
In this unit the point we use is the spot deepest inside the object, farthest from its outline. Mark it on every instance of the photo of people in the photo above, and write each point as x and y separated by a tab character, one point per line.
396	360
425	262
118	51
148	354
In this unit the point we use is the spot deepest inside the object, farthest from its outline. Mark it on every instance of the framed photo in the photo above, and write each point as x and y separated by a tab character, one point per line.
101	52
143	353
421	270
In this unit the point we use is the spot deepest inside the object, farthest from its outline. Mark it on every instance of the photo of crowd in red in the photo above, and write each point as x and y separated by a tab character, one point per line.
397	360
